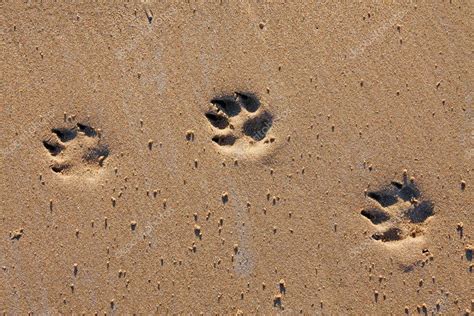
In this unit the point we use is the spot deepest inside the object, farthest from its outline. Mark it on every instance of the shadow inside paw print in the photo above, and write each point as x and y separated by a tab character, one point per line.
239	120
76	149
400	213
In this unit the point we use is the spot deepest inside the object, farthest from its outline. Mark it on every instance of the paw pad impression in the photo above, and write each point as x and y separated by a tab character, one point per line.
239	121
400	211
75	149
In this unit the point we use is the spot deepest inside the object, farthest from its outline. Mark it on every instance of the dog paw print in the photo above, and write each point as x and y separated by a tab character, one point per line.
239	122
399	211
76	149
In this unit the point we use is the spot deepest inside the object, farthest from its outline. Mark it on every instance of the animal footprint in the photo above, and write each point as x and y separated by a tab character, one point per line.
239	123
400	211
76	149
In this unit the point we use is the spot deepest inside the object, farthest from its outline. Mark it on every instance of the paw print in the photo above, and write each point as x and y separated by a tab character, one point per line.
400	211
75	149
239	123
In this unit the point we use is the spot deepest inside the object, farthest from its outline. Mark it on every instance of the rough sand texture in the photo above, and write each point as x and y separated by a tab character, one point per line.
237	157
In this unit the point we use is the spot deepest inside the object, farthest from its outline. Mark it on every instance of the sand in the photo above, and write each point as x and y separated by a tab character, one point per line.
237	158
